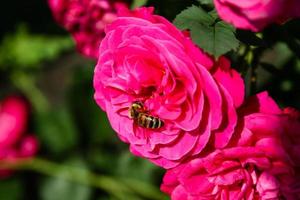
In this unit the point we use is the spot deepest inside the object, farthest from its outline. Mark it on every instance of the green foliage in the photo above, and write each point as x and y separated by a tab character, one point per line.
138	3
206	2
132	167
60	189
213	36
137	172
193	16
11	189
53	188
90	118
56	130
28	51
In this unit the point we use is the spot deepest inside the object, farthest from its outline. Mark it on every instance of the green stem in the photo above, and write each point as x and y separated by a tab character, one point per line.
117	188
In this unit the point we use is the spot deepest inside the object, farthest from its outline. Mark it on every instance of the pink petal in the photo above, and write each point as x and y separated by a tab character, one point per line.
231	80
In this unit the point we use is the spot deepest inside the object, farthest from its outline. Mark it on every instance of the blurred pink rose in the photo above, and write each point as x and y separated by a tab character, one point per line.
86	20
256	14
258	164
14	145
144	57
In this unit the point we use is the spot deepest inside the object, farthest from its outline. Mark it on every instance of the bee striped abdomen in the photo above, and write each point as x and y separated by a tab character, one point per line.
148	121
138	112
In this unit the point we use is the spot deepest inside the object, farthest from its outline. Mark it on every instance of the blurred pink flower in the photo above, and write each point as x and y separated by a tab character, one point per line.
86	20
144	57
14	145
256	14
258	164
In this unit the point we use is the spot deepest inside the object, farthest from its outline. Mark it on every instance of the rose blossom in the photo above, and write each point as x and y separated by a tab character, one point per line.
263	116
256	165
145	58
86	20
14	145
233	174
256	14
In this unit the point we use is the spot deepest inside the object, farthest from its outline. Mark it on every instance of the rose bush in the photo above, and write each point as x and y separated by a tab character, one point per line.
14	145
256	14
86	20
144	57
257	165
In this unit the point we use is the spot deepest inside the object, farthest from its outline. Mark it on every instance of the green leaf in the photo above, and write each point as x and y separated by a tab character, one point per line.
61	189
213	36
192	16
214	14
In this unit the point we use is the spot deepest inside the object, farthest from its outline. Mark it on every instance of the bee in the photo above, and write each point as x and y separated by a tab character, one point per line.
139	113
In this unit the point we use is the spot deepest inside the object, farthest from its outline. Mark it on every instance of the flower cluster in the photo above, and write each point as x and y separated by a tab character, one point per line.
213	143
86	20
259	163
187	110
14	144
256	14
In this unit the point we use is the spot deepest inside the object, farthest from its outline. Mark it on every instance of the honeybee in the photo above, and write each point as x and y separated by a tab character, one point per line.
138	112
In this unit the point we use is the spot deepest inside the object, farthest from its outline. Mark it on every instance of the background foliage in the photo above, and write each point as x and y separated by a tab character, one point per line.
38	60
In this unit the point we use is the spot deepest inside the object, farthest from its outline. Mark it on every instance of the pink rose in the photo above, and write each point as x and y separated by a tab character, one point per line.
232	174
268	119
257	164
14	145
145	58
86	20
263	118
256	14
